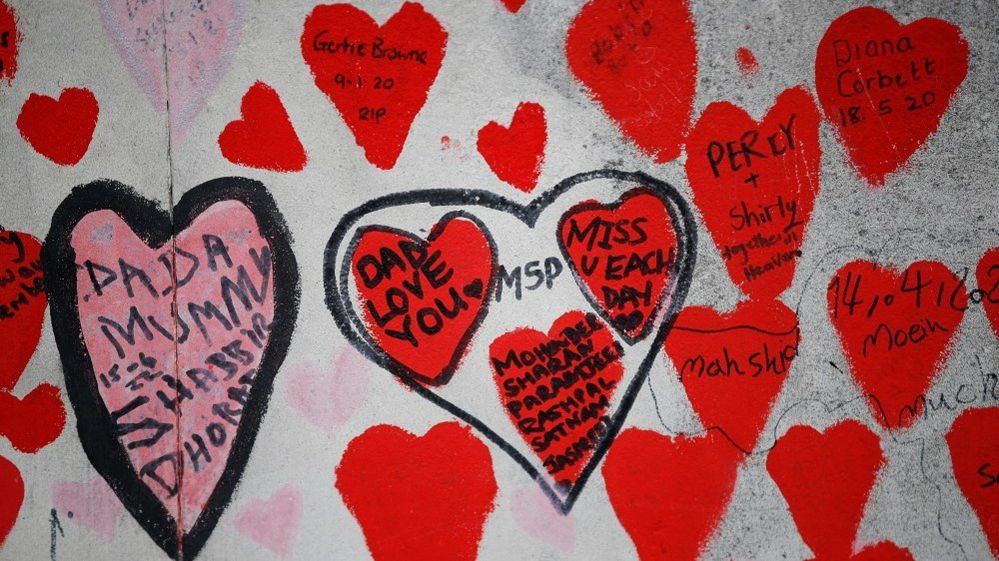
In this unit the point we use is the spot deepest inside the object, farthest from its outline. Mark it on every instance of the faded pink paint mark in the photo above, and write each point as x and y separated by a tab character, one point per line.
328	397
272	522
534	513
218	352
92	505
201	38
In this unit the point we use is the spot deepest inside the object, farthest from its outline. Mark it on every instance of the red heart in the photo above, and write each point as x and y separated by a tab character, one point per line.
378	77
733	365
34	422
513	5
885	86
896	329
557	388
423	300
809	467
264	138
9	40
61	129
883	551
418	498
621	255
974	446
639	60
11	497
756	183
22	304
515	154
670	493
988	284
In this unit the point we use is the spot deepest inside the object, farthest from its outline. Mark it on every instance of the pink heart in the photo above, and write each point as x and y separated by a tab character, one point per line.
327	397
272	522
534	513
225	303
201	38
92	505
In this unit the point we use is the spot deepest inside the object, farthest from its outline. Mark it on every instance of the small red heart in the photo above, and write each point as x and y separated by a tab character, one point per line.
670	493
264	138
424	299
22	303
34	422
897	330
883	551
809	467
988	283
516	153
557	388
10	37
755	184
974	446
733	365
11	497
377	76
885	86
623	256
513	5
639	60
418	498
60	130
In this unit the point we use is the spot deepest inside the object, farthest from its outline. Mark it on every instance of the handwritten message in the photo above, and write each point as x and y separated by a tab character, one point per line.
22	303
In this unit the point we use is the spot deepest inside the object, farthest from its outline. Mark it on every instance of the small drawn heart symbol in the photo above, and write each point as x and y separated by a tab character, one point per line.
516	153
264	138
60	129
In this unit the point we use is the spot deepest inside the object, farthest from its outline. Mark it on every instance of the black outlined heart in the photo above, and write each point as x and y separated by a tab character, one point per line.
238	212
337	278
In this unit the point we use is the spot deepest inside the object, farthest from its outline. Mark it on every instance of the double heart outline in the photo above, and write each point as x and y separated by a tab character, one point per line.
156	227
338	299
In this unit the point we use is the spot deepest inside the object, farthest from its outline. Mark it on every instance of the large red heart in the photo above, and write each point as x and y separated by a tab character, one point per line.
11	497
974	454
162	318
22	304
896	328
557	388
418	497
885	86
378	77
621	255
515	153
987	275
34	422
733	365
810	466
755	184
10	37
424	299
264	138
60	129
670	493
639	60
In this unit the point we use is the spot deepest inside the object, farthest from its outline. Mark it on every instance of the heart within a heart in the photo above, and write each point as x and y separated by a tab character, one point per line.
170	342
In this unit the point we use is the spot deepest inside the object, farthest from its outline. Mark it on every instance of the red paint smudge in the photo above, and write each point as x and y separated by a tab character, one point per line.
418	498
516	153
639	60
264	138
11	497
10	39
733	365
763	189
987	275
974	453
60	130
747	61
811	467
897	329
377	96
670	493
886	101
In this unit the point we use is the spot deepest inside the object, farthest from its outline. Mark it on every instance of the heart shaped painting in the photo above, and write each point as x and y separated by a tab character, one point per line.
535	324
155	317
